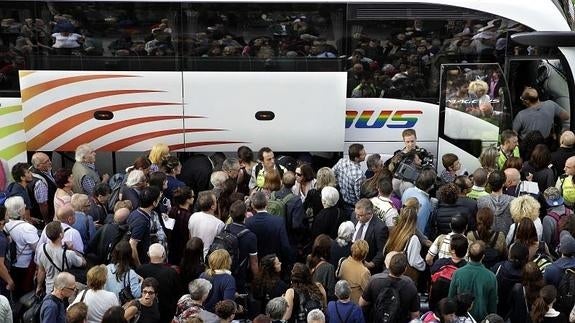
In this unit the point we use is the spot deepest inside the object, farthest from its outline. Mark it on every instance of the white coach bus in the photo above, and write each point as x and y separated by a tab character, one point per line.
312	76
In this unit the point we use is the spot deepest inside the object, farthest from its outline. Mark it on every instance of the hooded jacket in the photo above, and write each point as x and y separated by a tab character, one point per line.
499	204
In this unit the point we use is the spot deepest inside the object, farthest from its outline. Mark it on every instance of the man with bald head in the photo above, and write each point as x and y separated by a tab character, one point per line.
101	246
565	150
53	308
474	278
42	188
513	178
72	238
565	182
538	115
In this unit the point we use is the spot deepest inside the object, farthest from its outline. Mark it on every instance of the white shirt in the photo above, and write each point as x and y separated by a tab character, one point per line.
206	227
98	301
26	237
357	226
71	235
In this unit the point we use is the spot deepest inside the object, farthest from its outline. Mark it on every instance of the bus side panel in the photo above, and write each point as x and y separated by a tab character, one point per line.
60	109
12	137
305	110
378	123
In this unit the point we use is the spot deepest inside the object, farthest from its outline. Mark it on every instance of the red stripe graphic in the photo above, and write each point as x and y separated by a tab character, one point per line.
121	144
203	143
96	133
64	125
34	90
43	113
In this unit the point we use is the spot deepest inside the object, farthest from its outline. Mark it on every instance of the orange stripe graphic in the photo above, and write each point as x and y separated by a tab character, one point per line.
34	118
96	133
34	90
203	143
64	125
121	144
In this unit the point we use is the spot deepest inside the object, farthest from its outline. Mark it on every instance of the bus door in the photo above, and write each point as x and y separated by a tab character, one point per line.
473	109
547	75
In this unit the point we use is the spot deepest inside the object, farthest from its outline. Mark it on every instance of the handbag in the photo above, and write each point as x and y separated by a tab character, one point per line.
33	304
125	294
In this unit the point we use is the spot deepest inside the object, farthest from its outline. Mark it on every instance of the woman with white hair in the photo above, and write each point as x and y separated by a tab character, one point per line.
192	304
344	310
330	217
341	246
135	182
25	235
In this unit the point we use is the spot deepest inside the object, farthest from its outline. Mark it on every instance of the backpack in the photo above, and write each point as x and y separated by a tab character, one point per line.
387	305
307	303
566	292
277	206
230	242
7	193
440	282
116	182
492	255
12	254
32	312
561	221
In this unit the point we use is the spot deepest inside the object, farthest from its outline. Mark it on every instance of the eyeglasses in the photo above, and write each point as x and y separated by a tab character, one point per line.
297	174
73	289
149	292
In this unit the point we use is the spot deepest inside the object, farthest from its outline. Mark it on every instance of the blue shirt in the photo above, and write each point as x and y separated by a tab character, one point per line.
554	272
85	225
340	312
115	286
52	310
425	207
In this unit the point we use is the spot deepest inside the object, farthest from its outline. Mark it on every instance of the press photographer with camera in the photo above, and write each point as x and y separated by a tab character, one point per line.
407	163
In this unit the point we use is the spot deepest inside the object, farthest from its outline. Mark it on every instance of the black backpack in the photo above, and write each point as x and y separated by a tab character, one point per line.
12	254
307	303
492	255
228	241
387	305
566	292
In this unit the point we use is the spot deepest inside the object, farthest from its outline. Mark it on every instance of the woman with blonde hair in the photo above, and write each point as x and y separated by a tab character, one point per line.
219	274
313	203
158	154
100	300
354	271
403	238
488	159
524	206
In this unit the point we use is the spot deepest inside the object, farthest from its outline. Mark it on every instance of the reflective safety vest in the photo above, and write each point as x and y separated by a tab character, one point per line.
501	159
568	190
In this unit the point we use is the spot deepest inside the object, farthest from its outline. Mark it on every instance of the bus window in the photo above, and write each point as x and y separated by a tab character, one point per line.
396	50
262	36
474	106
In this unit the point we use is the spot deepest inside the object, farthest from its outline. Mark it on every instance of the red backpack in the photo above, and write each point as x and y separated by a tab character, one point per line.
561	221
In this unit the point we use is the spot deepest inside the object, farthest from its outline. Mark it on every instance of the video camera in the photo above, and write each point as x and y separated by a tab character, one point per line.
406	169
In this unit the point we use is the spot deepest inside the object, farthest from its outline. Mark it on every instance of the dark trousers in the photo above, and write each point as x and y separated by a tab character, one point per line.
23	280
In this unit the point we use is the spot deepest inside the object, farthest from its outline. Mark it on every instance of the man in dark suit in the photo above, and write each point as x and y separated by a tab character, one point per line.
371	229
269	229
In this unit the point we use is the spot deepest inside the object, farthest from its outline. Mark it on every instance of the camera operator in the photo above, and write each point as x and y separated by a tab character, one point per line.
407	163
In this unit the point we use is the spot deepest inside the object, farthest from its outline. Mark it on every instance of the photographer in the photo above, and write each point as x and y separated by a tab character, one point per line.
407	166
